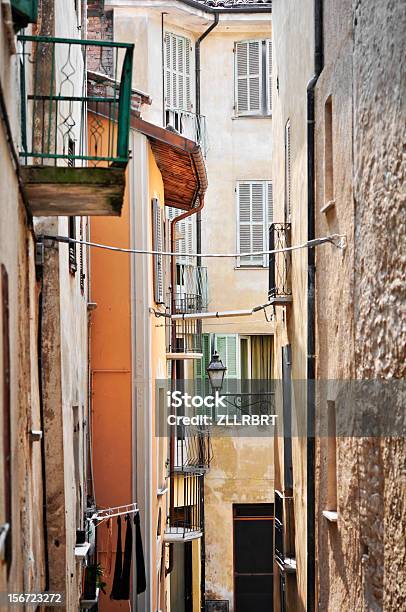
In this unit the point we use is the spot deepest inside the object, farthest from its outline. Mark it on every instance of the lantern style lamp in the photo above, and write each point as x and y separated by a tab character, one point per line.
216	371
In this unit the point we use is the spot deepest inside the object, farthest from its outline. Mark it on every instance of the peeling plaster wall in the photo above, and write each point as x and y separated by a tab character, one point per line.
241	472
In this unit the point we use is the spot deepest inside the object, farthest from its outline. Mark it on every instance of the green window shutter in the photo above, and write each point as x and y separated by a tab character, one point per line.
200	365
24	12
248	77
227	347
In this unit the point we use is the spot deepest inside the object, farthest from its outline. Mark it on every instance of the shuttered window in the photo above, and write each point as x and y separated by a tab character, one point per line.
253	76
227	346
158	241
177	72
200	365
255	213
288	174
185	236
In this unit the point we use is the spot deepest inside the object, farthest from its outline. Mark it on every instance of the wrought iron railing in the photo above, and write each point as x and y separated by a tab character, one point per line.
186	517
193	449
189	124
183	336
56	95
191	289
284	531
279	263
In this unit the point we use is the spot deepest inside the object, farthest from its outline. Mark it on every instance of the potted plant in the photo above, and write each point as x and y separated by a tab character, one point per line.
93	584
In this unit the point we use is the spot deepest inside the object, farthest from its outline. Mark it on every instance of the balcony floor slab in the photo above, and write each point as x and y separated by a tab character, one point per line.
64	191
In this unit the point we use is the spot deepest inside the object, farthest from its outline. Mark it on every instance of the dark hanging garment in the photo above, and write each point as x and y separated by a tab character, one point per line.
139	556
116	590
128	549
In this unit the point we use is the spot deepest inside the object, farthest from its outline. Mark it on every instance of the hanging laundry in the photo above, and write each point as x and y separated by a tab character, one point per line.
116	590
139	556
126	572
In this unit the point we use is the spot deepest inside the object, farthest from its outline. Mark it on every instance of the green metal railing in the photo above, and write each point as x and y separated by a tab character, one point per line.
57	90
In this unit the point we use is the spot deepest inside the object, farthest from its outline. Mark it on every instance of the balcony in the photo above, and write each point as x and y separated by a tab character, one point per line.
284	533
193	450
184	336
191	289
73	160
185	520
280	290
190	125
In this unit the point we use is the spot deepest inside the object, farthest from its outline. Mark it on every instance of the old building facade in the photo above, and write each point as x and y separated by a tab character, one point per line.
337	148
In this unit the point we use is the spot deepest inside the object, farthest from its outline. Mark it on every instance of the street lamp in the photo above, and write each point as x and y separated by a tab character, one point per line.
216	371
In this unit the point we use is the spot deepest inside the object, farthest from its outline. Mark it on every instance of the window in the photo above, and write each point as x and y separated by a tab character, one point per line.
288	175
24	12
177	72
331	457
227	346
255	212
157	245
253	77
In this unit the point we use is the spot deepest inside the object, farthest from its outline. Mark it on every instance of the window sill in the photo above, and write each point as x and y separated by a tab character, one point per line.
331	515
328	206
234	117
245	268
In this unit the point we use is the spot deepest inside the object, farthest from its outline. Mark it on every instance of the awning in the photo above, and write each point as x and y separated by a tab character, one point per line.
180	161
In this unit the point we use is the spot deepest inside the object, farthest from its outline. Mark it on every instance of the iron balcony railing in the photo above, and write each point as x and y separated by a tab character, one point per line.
183	336
193	450
185	520
284	532
190	125
279	263
191	289
56	95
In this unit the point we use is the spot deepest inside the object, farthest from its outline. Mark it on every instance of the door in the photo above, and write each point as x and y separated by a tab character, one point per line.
253	557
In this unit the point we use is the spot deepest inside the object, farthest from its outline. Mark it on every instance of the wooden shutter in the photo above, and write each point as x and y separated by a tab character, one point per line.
251	221
248	77
157	229
177	72
200	365
227	347
269	76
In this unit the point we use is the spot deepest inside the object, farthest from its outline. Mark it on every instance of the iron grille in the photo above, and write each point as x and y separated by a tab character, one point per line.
186	517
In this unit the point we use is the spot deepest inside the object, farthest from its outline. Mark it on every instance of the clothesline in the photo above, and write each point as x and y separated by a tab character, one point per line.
107	513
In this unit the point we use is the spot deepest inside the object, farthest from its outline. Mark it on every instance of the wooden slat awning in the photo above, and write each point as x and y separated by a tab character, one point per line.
180	162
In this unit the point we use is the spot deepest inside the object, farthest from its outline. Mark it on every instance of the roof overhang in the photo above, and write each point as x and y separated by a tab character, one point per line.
180	161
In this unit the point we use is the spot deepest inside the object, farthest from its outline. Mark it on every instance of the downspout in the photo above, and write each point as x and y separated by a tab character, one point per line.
199	263
198	72
311	335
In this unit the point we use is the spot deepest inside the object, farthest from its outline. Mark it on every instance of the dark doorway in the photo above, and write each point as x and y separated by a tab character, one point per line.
253	557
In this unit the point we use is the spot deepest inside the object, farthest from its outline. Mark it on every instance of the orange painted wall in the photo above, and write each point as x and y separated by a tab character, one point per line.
111	377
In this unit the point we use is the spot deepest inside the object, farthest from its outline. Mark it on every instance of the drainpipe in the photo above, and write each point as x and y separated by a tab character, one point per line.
199	263
198	73
311	335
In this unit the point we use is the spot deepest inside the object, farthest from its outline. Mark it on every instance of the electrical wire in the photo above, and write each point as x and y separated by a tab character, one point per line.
338	240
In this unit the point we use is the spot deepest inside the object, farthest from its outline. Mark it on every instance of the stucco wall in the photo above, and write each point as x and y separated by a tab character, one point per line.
292	70
359	302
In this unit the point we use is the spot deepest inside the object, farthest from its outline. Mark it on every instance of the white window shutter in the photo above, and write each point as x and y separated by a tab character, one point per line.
255	75
168	69
241	77
251	221
180	71
269	76
157	228
188	93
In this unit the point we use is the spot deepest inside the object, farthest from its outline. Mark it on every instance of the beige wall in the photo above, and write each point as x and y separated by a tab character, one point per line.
292	70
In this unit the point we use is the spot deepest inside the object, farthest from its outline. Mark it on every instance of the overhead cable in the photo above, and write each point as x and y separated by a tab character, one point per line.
338	240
